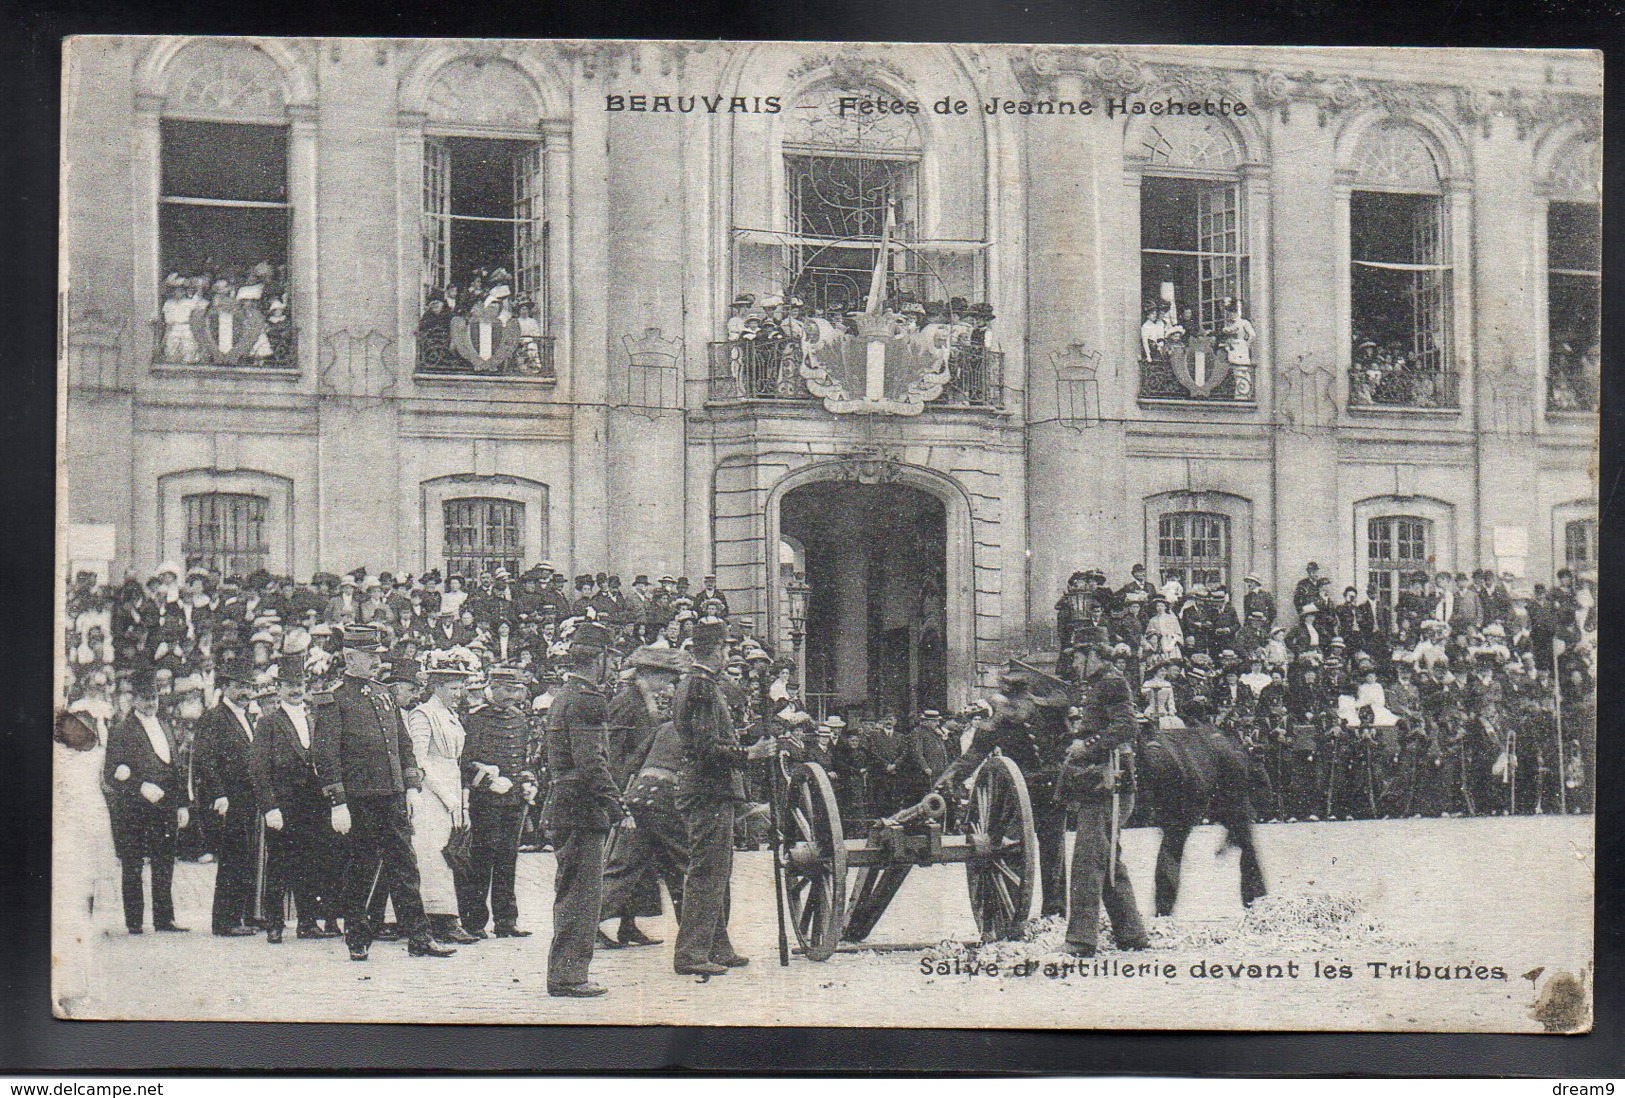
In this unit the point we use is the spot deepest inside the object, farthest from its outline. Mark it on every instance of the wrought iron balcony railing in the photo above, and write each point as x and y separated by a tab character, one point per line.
1371	387
770	370
263	346
527	357
1215	381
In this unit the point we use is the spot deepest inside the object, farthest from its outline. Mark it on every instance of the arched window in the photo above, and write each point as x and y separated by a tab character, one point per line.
847	173
483	221
1401	274
1193	255
1194	548
1397	546
226	532
482	535
1574	278
224	214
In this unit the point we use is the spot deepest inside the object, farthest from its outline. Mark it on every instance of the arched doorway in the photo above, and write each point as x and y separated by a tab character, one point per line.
876	560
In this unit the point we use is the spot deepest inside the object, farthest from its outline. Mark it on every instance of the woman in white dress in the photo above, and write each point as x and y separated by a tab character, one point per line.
180	342
437	742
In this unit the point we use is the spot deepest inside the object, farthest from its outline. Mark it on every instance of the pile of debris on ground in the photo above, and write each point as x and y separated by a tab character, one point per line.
1273	925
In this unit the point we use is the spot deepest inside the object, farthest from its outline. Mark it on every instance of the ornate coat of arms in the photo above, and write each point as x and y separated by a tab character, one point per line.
486	337
1199	364
227	334
881	370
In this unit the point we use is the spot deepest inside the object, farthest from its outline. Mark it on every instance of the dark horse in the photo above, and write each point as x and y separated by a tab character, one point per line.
1192	774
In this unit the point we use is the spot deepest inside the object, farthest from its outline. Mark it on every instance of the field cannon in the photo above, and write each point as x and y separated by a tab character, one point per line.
835	888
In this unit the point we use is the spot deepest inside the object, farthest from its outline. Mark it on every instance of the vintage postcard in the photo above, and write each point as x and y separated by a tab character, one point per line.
827	534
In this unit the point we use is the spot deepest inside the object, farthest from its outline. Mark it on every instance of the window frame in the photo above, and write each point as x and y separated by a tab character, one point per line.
252	524
1590	400
457	560
1392	566
1213	569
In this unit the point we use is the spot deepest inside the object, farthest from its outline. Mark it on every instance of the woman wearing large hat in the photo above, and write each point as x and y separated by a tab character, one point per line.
437	742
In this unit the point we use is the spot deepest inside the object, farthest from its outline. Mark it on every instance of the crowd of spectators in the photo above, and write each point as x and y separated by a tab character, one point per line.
226	317
518	345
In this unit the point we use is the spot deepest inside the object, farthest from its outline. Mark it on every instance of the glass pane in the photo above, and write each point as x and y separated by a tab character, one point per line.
1573	237
224	160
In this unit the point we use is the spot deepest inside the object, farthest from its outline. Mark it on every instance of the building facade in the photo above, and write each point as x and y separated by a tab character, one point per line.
257	374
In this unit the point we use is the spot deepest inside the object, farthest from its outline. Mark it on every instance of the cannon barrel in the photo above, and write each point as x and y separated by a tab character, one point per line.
931	807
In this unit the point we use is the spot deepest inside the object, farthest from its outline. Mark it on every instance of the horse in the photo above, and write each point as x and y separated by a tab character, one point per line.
1188	775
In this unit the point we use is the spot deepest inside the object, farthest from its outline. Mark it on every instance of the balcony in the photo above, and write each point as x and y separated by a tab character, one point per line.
1374	389
267	348
1162	379
770	371
524	358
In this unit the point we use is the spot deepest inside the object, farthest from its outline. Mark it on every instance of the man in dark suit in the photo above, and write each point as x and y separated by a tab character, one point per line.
225	786
582	805
146	799
933	748
709	782
301	852
371	780
886	751
1259	600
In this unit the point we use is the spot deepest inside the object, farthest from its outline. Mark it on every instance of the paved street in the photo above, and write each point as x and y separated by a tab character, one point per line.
1392	884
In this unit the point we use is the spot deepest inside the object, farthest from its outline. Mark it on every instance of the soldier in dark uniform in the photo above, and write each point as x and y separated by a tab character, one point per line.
371	780
709	784
582	805
501	787
146	800
656	849
1029	726
1105	725
302	854
632	869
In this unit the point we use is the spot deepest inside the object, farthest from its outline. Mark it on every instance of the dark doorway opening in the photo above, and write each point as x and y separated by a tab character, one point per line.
876	563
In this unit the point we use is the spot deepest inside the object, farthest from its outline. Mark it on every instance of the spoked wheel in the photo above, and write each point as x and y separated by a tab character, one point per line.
814	858
999	824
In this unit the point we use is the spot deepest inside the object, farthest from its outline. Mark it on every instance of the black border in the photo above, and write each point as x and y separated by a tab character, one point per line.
31	1041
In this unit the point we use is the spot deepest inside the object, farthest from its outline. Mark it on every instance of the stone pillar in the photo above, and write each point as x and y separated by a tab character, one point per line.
584	373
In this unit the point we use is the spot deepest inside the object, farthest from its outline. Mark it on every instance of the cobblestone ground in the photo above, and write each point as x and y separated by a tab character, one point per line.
1493	892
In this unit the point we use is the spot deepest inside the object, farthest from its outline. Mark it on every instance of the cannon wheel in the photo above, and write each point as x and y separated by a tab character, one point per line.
815	877
1000	820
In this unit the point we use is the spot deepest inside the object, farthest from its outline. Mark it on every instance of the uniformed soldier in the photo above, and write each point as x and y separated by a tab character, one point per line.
582	805
1028	725
1089	780
371	779
636	861
708	786
656	849
501	788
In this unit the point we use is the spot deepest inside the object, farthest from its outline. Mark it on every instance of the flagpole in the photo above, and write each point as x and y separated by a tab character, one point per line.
877	279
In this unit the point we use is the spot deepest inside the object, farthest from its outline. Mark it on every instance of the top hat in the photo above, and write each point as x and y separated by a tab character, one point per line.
710	632
589	637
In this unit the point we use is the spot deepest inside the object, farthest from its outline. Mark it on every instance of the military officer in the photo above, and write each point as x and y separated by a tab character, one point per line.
1106	724
1028	725
225	786
582	805
302	851
634	867
709	783
371	781
501	787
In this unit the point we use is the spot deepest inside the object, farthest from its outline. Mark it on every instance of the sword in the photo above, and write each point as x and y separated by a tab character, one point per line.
1113	774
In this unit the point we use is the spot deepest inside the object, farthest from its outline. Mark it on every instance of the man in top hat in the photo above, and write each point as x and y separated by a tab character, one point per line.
502	785
371	781
225	786
656	848
582	806
146	800
301	849
710	782
1106	725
